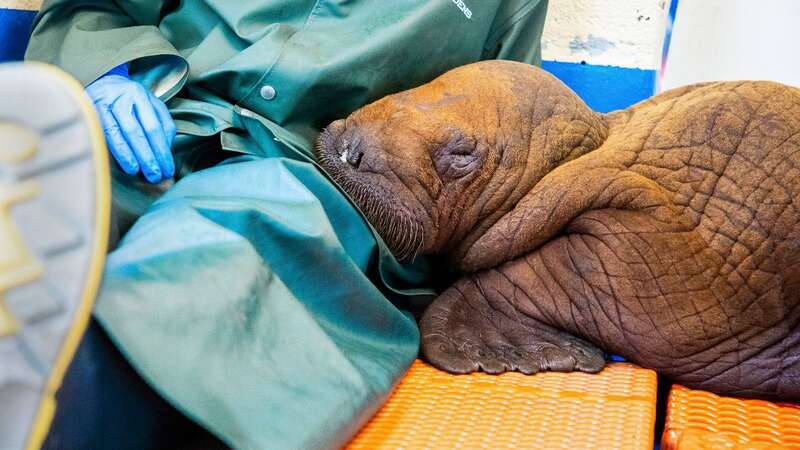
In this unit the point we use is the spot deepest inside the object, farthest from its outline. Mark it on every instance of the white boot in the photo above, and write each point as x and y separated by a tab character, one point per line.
54	211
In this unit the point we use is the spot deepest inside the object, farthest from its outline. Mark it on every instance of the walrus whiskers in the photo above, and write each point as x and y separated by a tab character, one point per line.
396	226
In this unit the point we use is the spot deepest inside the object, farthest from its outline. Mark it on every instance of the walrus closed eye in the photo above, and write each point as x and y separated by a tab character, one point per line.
668	233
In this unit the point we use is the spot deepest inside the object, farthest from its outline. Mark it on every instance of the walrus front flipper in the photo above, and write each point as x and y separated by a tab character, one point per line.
463	333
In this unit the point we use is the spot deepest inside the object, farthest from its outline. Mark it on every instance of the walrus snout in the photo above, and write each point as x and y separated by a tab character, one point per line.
380	176
337	143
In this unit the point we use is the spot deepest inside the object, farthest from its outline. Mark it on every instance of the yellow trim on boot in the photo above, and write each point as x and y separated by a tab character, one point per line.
44	416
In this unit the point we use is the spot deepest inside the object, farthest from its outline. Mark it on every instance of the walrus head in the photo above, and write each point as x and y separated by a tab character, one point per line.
435	166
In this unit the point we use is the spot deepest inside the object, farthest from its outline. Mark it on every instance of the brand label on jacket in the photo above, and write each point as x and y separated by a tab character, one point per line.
463	7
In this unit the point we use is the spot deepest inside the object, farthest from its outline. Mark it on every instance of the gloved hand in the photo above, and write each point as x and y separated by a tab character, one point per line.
138	127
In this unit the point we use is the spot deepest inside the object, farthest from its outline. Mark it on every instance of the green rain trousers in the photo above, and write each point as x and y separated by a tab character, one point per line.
251	294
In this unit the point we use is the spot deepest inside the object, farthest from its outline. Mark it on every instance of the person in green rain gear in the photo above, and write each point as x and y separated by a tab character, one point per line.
249	292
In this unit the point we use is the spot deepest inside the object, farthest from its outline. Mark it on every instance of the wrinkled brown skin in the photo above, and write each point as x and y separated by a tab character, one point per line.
668	233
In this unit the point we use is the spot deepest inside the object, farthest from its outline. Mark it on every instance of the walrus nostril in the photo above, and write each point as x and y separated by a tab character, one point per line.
350	150
354	157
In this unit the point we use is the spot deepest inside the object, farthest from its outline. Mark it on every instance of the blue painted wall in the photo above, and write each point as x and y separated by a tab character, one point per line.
15	26
604	88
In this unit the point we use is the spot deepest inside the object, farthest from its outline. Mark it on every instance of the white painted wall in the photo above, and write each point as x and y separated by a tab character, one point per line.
30	5
624	33
734	40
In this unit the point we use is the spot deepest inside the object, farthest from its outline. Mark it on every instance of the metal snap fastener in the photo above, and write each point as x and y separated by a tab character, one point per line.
267	92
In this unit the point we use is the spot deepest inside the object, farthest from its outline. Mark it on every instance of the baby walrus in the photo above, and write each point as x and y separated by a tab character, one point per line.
668	232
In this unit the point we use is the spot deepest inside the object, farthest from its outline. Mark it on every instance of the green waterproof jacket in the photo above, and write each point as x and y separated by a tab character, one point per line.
252	294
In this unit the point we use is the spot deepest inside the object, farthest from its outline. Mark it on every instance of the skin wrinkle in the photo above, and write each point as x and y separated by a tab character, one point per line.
477	282
546	283
515	194
606	339
580	326
652	277
714	189
408	188
736	364
495	185
787	359
514	310
517	289
604	342
459	224
613	293
563	290
548	317
485	151
678	218
470	301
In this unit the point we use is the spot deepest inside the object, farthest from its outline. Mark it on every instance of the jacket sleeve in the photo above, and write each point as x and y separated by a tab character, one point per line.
517	32
87	38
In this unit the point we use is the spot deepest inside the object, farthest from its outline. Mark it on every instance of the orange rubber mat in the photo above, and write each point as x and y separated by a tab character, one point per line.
431	409
702	420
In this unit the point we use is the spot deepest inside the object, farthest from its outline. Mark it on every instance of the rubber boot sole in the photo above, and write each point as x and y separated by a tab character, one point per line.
55	201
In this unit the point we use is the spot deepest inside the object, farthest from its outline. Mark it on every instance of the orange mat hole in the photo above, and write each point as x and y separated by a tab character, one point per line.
434	410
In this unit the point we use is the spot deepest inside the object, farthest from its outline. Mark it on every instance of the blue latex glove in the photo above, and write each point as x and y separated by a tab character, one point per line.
138	127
